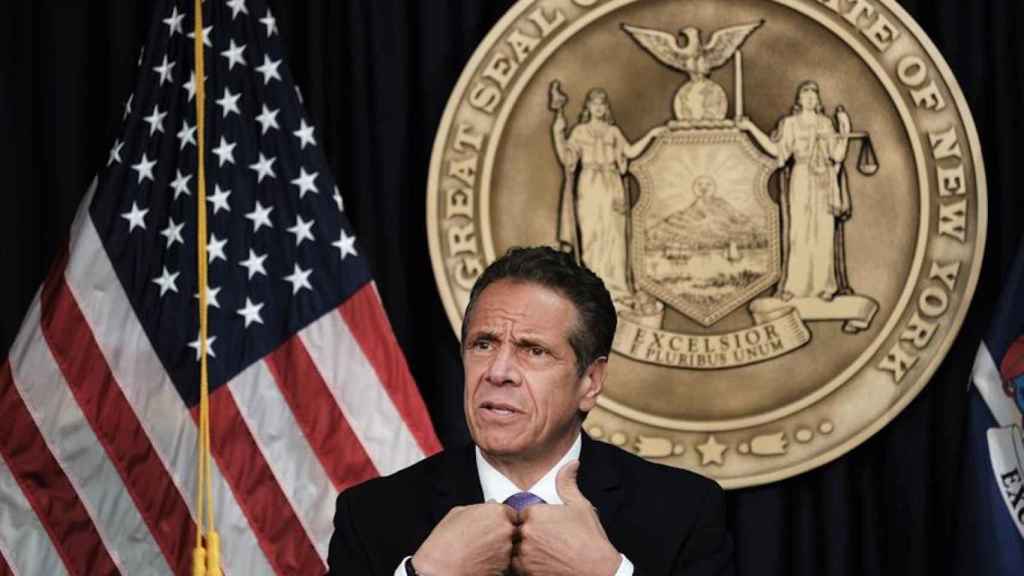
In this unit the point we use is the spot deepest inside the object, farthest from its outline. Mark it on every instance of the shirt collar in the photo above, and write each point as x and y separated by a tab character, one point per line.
497	488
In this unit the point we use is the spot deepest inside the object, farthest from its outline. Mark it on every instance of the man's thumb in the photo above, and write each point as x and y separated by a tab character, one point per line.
565	483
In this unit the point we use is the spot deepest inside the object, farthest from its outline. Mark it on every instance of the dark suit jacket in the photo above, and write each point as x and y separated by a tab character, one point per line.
665	520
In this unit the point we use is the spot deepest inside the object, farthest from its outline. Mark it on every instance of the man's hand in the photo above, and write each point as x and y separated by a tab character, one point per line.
564	540
470	540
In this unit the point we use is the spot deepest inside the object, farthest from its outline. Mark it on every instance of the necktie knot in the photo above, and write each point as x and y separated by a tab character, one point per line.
521	500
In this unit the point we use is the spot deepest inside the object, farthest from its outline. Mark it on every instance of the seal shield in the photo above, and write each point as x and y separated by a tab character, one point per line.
705	233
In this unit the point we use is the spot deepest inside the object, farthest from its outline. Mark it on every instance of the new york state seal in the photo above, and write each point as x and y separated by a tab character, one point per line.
785	198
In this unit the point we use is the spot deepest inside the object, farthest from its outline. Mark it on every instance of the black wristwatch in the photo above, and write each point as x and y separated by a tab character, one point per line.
410	570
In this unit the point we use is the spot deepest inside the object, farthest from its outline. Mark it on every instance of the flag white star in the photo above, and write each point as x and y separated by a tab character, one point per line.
237	6
209	347
338	200
128	106
268	119
260	216
215	249
115	152
303	230
251	312
346	244
234	54
225	152
180	184
219	199
190	86
144	168
136	217
265	167
173	232
155	120
211	296
270	23
187	134
206	36
165	70
229	102
166	281
269	69
299	279
305	182
304	134
174	22
254	264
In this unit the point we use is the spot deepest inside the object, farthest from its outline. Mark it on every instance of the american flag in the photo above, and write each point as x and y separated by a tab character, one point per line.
309	390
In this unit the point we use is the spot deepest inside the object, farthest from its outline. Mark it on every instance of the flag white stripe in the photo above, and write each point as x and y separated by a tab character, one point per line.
990	385
76	448
157	405
21	531
288	453
364	402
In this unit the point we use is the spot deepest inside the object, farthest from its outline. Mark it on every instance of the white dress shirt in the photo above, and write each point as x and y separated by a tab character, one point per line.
497	488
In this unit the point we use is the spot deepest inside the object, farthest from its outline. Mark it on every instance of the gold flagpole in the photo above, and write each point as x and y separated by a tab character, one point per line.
205	559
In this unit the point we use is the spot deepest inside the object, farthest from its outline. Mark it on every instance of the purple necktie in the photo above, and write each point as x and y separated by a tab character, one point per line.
521	500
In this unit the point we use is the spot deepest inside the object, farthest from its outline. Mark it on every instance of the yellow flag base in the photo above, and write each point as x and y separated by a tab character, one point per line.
198	561
213	560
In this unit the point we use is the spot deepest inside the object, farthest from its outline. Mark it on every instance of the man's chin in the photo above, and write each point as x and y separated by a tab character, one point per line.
500	447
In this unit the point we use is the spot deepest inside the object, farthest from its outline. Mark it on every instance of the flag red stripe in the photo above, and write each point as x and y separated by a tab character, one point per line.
365	318
4	569
272	518
47	488
116	426
318	415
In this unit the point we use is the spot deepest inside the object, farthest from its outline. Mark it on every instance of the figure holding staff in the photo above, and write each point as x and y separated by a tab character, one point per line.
595	156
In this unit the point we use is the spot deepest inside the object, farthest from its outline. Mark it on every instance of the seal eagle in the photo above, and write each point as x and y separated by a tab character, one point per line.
685	53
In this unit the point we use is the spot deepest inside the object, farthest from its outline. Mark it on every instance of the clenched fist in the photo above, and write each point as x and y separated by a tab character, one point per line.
564	540
469	541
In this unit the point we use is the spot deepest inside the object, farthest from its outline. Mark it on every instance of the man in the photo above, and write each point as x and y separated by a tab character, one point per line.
533	494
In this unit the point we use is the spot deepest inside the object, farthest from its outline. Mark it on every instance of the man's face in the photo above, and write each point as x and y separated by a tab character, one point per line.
522	390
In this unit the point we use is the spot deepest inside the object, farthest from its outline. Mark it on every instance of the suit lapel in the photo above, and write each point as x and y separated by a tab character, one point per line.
599	479
457	482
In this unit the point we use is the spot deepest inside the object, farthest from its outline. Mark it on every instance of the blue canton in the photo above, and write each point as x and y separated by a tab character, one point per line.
281	252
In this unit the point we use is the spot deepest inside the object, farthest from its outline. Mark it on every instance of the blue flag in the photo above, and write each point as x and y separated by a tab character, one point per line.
991	539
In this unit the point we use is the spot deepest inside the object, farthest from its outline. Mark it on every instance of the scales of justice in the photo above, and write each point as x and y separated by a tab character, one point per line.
696	228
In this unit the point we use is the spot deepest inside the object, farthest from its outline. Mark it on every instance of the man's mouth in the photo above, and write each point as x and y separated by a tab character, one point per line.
500	408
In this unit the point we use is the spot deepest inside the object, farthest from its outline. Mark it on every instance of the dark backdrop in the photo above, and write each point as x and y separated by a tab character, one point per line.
376	75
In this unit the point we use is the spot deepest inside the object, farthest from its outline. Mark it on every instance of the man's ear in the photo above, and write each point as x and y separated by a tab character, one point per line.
592	383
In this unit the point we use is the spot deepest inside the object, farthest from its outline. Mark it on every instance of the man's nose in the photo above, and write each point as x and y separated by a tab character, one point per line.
504	369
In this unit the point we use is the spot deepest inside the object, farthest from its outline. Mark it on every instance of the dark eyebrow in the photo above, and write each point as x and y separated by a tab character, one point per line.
530	343
481	335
